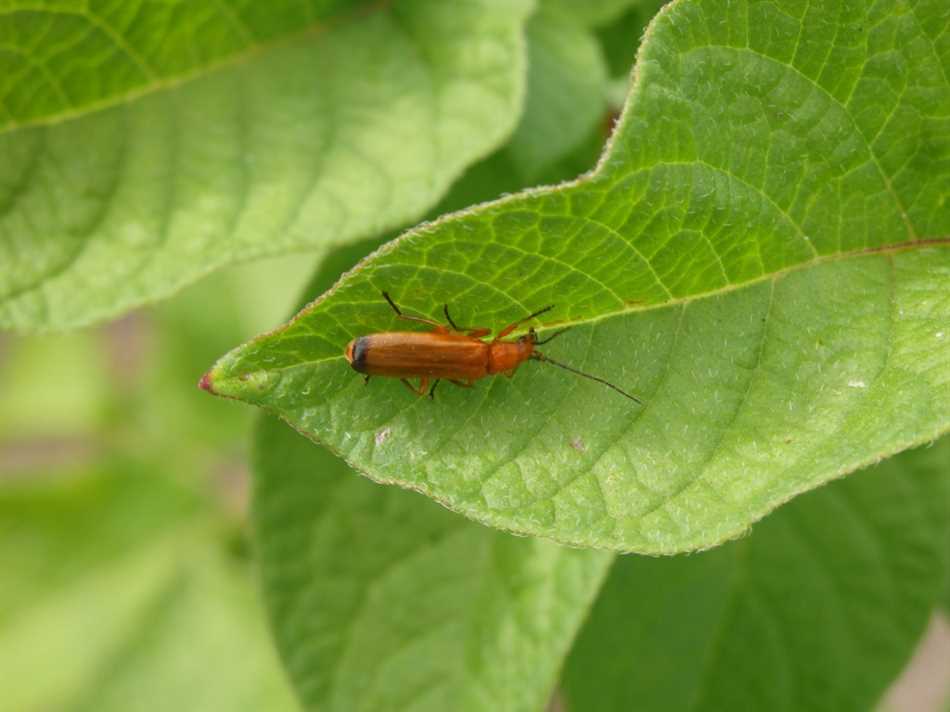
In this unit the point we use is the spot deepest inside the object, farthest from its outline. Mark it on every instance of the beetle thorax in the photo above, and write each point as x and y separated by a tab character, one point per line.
507	355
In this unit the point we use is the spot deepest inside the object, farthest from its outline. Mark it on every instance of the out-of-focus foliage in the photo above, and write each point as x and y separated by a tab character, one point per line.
212	133
123	534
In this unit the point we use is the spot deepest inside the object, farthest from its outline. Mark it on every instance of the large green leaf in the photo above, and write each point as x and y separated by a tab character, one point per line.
382	600
116	585
316	141
818	609
761	255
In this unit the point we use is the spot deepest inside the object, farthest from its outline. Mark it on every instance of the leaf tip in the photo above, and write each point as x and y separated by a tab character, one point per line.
249	386
205	383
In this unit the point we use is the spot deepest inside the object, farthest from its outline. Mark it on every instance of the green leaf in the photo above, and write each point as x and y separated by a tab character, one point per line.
317	141
761	255
817	610
62	58
112	575
381	600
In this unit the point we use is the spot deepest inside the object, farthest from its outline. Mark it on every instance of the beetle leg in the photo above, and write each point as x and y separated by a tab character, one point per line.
461	384
432	390
511	327
366	379
423	384
476	332
448	317
410	317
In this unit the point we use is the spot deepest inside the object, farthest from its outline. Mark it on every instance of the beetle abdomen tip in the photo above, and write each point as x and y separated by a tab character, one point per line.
356	353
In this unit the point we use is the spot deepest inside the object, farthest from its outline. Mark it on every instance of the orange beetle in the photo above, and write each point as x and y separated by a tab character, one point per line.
458	355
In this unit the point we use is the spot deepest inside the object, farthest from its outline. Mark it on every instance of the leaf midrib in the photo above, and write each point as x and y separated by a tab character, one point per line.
888	249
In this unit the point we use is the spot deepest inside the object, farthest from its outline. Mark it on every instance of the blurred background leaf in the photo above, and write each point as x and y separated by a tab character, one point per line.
332	135
119	597
123	535
66	57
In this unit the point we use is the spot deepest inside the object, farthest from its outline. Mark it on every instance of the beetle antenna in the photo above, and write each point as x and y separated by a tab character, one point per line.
552	336
537	356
